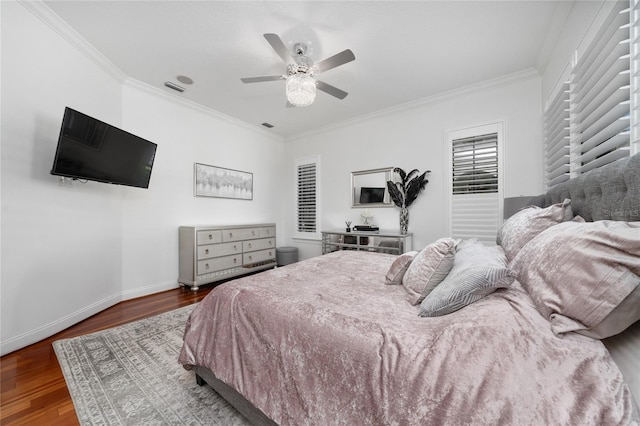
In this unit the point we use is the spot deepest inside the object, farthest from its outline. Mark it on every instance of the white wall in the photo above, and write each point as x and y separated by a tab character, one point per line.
61	250
71	251
415	137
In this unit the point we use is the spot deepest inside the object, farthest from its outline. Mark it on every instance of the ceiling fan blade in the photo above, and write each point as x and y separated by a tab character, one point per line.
276	42
333	91
261	79
336	60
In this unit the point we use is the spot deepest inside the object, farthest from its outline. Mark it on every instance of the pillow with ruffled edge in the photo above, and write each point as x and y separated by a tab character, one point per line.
477	272
399	268
584	277
520	228
428	269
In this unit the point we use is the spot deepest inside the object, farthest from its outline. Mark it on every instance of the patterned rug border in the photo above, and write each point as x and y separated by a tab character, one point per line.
129	375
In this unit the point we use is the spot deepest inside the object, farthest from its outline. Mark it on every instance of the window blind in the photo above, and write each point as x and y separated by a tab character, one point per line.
475	204
556	136
306	197
635	76
600	96
475	164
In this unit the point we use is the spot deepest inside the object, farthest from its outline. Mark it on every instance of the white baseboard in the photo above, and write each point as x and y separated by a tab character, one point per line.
150	289
48	330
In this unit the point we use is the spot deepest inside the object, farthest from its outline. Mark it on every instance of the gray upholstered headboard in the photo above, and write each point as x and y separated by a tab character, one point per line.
610	192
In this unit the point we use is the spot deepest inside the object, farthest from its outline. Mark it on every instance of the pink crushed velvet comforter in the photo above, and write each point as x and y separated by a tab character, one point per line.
325	342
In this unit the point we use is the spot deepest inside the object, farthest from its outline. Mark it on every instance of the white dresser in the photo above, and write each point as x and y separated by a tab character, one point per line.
213	253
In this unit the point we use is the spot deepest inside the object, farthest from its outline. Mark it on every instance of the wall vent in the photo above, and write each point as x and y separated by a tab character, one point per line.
174	86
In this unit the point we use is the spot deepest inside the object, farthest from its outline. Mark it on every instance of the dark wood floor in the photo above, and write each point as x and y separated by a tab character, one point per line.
32	388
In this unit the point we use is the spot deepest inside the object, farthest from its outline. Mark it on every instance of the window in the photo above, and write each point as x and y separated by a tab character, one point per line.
556	138
600	96
635	72
475	182
475	164
307	190
588	121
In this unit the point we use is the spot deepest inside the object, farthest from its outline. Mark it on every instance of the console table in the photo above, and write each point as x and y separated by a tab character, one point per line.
213	253
379	241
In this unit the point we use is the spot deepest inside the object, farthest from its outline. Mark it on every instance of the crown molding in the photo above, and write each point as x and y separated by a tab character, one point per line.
523	75
177	99
49	17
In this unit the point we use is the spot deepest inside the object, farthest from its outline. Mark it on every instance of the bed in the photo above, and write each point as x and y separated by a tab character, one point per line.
355	337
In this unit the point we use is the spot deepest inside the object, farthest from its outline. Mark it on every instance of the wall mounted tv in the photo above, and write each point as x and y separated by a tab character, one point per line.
89	149
371	195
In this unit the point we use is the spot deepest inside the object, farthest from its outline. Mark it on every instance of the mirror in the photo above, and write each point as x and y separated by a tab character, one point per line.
369	188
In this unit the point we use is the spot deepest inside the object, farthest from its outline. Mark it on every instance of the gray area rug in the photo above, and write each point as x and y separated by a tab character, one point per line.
129	375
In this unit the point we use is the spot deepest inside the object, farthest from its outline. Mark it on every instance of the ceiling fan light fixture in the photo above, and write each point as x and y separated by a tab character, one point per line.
301	89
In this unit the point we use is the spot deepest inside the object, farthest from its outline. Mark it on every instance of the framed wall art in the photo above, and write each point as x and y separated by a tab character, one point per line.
212	181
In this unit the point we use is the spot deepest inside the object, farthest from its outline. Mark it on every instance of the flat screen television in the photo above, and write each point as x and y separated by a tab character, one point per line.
370	195
89	149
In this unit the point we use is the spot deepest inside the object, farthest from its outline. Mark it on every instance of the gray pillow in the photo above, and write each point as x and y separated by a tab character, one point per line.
477	273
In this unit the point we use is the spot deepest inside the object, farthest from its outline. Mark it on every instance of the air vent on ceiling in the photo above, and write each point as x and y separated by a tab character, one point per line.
267	125
174	86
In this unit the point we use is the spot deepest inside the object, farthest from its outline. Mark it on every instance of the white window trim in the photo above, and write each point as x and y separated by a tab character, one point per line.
496	127
307	235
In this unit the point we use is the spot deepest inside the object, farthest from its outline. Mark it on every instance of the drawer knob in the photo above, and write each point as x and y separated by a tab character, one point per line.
230	234
235	247
249	245
206	266
210	236
250	257
235	260
206	251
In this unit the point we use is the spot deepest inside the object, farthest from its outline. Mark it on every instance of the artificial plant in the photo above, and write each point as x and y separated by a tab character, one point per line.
405	191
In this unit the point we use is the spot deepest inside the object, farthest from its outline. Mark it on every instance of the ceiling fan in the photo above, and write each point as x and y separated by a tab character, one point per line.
301	83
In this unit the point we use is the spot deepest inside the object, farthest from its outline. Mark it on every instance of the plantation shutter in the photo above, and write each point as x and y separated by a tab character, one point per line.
556	136
635	73
306	197
601	96
475	205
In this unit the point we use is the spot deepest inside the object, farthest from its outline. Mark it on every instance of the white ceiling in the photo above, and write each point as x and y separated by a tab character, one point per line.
405	51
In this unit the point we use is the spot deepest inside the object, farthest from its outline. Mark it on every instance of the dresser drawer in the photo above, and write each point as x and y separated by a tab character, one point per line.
209	237
261	244
268	231
218	263
258	256
240	234
217	250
